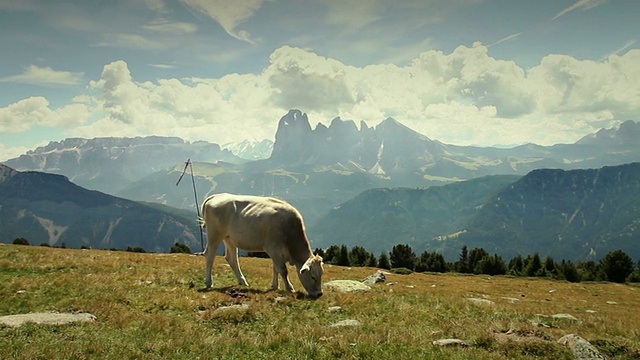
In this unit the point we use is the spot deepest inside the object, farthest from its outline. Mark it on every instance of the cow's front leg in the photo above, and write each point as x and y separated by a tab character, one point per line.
274	282
231	254
281	268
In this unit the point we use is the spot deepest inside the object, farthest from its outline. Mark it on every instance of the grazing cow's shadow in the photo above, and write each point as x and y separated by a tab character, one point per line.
240	292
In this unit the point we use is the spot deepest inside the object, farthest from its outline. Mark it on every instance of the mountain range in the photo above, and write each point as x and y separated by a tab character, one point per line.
319	169
574	214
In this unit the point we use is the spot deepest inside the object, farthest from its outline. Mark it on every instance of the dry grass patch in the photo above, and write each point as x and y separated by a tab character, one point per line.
149	306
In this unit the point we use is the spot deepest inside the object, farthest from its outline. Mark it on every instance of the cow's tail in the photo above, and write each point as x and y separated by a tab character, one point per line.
202	216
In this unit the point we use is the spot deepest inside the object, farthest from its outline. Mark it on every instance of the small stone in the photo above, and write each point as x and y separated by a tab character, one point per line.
480	301
348	322
450	342
612	303
21	291
377	277
334	308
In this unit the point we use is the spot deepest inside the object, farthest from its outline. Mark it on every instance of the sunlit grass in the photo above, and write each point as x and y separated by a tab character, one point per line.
148	306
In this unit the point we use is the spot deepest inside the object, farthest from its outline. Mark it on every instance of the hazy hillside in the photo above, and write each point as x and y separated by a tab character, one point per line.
48	208
577	214
571	214
378	219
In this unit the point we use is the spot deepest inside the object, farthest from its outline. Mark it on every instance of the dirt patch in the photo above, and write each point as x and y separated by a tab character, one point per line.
49	318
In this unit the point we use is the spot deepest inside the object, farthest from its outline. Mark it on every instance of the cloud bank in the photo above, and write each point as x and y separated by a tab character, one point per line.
463	97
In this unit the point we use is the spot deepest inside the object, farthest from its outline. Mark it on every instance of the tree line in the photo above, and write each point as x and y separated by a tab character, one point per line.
616	266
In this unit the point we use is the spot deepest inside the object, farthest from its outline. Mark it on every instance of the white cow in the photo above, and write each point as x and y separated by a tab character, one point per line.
254	223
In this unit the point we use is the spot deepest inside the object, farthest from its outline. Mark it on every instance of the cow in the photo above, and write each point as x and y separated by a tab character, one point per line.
260	224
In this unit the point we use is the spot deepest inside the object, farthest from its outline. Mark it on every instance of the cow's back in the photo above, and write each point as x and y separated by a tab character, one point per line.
255	223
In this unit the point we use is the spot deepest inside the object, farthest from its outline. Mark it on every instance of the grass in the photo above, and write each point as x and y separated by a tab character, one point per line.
148	306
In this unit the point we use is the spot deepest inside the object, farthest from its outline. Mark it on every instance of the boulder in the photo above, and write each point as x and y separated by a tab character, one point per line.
49	318
346	286
581	348
377	277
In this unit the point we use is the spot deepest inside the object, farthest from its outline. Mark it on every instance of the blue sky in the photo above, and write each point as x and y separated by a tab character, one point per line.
463	72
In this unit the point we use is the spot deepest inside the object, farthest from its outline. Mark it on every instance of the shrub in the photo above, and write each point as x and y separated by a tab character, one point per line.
180	248
20	241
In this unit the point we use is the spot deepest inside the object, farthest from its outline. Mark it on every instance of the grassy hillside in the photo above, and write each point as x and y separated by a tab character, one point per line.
148	306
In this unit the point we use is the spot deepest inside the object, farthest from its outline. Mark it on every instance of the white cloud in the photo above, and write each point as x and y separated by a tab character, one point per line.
45	76
170	27
229	14
463	97
35	111
580	4
130	41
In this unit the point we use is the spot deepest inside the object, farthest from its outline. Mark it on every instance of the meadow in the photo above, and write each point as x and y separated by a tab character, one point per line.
150	306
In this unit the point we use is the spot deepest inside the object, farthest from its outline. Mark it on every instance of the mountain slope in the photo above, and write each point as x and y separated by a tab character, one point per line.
48	208
574	214
378	219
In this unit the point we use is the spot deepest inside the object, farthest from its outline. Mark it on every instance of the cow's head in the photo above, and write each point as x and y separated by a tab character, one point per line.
311	276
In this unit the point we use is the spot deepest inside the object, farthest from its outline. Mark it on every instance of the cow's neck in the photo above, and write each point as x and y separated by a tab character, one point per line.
300	253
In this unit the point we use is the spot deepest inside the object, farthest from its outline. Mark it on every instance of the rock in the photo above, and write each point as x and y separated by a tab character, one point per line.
348	322
241	307
480	301
581	348
378	276
346	286
450	342
49	318
612	303
334	308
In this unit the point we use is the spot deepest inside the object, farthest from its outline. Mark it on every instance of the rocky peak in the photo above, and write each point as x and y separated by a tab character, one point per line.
292	138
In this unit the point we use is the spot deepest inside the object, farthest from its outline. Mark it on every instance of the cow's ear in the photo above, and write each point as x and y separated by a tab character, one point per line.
305	267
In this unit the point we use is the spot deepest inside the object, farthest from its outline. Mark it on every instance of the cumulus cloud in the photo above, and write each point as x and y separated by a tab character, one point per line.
36	111
45	76
463	97
229	14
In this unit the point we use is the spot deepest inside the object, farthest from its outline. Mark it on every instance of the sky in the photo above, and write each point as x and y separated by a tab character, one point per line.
464	72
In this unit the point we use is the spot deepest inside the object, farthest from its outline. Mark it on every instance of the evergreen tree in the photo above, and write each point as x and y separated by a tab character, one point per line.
180	248
462	265
588	270
332	254
343	258
403	256
475	256
20	241
383	261
372	262
358	256
550	267
568	271
617	266
516	266
492	265
533	266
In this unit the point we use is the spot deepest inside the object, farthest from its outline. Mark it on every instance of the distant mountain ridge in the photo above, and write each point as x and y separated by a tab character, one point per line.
110	164
48	208
574	214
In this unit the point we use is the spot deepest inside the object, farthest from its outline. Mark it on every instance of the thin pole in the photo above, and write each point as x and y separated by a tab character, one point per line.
195	195
189	164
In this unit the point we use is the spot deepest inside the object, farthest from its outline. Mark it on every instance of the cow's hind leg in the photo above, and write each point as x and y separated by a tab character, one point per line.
231	254
210	255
